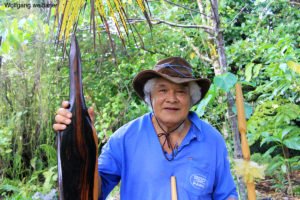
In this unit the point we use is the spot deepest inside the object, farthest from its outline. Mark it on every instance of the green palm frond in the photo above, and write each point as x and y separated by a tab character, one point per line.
144	10
68	12
112	14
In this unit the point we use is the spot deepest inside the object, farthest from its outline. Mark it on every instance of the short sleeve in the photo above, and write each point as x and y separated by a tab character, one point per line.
224	186
110	165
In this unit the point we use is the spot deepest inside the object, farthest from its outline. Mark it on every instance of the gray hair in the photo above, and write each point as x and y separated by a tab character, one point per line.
194	88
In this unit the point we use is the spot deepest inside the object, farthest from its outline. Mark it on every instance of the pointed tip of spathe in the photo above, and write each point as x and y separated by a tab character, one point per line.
74	49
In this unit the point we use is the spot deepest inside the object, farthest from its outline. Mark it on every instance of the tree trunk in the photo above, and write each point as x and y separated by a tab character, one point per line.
232	118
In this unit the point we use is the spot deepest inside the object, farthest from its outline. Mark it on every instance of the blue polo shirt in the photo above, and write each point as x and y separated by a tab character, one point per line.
134	155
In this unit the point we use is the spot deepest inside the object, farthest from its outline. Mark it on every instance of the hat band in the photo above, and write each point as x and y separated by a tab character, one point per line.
178	71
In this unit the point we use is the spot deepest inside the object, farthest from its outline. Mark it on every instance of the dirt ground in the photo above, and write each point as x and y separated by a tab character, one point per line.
266	191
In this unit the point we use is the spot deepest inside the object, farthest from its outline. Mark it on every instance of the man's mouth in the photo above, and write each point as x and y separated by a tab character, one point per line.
171	109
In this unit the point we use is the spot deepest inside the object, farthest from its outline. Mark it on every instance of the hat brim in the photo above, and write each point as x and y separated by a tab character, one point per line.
141	79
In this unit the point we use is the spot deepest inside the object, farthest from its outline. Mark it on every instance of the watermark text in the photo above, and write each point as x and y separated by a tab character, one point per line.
29	5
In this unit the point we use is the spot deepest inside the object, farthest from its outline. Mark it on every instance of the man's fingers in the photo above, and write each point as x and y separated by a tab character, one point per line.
62	120
59	127
64	112
62	117
65	104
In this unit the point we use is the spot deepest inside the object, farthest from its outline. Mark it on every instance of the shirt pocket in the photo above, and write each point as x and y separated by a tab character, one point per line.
197	183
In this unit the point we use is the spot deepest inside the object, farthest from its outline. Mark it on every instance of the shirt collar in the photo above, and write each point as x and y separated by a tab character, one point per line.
196	122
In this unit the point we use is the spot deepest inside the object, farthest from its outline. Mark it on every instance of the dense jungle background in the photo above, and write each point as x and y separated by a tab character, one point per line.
262	46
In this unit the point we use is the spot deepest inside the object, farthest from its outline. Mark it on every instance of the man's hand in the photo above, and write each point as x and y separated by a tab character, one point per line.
63	117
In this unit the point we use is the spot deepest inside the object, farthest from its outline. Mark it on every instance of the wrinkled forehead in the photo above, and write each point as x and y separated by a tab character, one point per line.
161	82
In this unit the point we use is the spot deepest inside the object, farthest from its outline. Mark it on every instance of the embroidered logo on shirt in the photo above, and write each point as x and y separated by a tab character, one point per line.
198	181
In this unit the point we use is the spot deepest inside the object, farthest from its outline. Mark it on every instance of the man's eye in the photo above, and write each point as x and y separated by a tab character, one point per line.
162	90
181	91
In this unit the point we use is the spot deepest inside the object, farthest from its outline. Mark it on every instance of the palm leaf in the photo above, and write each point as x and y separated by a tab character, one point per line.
101	11
144	10
121	12
115	21
68	12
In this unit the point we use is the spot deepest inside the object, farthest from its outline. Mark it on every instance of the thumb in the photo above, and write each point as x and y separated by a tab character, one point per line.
92	114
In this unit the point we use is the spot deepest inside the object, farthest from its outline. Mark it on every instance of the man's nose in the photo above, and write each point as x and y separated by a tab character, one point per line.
171	97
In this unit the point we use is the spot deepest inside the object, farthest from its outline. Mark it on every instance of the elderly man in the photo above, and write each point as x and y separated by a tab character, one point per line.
169	141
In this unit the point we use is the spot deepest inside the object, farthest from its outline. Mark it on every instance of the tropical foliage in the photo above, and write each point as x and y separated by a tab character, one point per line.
262	49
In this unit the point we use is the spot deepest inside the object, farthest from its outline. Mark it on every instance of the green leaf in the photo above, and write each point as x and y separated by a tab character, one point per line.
292	143
225	81
274	166
248	71
283	168
48	175
252	84
269	139
9	188
270	150
256	70
33	162
294	66
13	41
286	131
202	105
8	151
5	47
208	98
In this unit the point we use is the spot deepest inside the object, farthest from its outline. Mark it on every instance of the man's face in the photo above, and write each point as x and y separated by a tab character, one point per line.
170	101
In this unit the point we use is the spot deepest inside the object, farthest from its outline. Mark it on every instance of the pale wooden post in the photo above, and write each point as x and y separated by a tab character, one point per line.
173	188
244	143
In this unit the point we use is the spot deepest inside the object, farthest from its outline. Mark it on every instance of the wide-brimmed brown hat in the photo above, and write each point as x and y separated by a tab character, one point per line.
174	69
